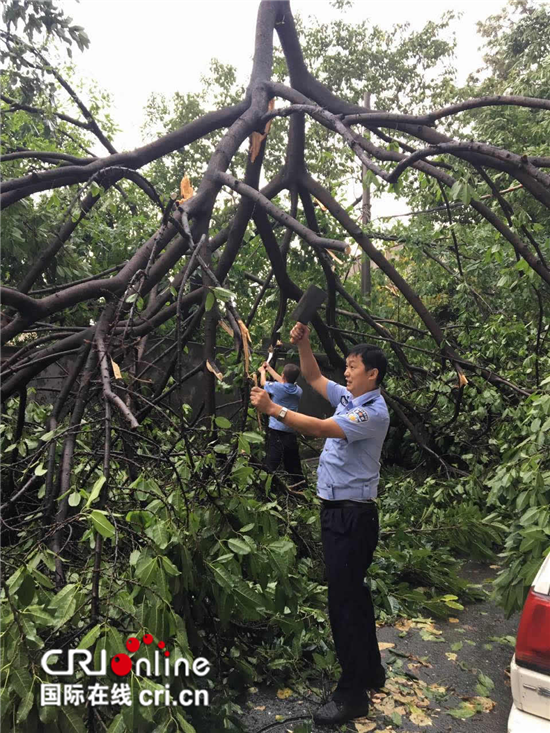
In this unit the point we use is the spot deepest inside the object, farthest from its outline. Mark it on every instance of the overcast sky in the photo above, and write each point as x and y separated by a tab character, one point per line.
143	46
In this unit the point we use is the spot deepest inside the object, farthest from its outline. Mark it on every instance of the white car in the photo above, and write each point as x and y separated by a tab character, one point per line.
530	668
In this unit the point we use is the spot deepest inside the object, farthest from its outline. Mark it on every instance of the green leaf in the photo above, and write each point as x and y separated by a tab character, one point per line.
210	300
223	422
158	532
20	679
185	726
485	685
250	601
253	437
463	712
67	610
224	294
26	591
466	193
131	714
101	645
96	490
169	566
243	444
39	616
49	715
71	721
531	516
48	436
118	725
238	546
15	580
285	547
396	719
223	578
164	727
41	578
134	557
454	604
102	524
142	518
456	189
157	619
90	637
29	629
60	599
74	499
40	470
115	642
145	569
222	449
25	707
161	582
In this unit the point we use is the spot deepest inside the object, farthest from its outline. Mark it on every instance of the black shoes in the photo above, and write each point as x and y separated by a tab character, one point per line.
336	712
339	711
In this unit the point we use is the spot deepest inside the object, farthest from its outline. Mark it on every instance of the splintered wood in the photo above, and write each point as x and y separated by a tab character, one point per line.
225	327
246	349
186	190
257	138
214	369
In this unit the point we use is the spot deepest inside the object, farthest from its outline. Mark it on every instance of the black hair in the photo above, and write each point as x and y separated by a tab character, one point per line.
291	373
373	358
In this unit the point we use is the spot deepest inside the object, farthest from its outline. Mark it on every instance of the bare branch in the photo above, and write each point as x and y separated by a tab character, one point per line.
46	157
495	101
15	106
517	161
288	221
18	188
106	378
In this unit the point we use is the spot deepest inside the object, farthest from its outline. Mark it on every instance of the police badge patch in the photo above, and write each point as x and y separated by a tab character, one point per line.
358	415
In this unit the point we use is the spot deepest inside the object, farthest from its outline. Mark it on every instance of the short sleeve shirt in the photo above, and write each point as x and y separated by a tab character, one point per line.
284	394
349	468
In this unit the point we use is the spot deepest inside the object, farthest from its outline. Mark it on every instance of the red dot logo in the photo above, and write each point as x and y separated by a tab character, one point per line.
167	654
161	645
121	664
132	644
148	639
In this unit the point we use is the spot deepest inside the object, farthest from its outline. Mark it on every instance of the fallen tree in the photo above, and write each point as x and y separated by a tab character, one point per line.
174	285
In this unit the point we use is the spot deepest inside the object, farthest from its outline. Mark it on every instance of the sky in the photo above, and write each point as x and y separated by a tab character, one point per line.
143	46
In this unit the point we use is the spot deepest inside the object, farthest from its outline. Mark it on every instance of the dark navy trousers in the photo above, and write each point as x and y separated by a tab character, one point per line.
350	536
283	447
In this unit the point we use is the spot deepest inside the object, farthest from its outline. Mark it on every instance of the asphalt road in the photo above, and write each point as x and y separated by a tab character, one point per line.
456	666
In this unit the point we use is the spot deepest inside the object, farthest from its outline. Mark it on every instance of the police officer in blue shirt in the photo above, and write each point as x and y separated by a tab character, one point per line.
348	476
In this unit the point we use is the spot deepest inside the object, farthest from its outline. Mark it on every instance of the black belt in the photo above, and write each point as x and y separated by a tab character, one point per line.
339	503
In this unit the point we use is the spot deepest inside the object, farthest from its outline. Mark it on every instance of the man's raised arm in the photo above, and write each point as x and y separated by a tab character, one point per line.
308	363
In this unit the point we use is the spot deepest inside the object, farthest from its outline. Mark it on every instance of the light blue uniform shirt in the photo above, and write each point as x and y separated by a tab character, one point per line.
350	468
284	394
